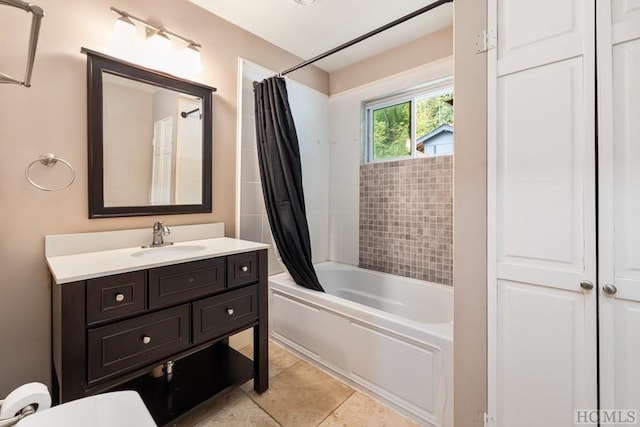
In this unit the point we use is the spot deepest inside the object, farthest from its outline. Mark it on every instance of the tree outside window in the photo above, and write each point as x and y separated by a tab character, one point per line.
395	124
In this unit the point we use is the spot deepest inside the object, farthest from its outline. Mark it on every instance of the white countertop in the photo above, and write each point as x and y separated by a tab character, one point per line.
89	265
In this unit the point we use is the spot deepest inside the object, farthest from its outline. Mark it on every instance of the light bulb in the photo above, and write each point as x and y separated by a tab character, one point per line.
157	50
191	58
124	28
124	39
160	42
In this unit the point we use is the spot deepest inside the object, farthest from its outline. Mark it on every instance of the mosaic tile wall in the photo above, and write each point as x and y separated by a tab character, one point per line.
406	218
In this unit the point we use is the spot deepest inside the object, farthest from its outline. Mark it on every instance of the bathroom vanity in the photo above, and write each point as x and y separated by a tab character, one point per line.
117	314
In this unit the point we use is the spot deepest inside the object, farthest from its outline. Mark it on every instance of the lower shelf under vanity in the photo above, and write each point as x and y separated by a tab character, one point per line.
197	378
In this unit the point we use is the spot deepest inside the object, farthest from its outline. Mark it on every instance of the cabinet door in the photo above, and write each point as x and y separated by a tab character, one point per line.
619	202
541	165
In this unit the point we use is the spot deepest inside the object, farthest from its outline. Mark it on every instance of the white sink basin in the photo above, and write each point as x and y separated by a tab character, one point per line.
167	251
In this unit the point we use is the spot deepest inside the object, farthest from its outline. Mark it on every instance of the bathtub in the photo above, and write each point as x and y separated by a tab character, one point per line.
390	336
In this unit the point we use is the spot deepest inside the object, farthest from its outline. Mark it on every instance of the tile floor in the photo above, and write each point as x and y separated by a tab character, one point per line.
299	395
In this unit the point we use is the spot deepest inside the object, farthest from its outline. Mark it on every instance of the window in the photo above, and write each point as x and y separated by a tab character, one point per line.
413	124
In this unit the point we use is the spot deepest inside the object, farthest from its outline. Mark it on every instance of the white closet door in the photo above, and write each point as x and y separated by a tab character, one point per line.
542	322
619	177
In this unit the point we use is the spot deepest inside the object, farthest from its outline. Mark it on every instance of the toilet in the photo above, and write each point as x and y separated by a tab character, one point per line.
114	409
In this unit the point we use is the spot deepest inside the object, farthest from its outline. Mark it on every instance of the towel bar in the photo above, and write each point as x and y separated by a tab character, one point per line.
38	14
50	159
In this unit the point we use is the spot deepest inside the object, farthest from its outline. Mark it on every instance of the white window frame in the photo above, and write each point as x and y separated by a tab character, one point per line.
429	90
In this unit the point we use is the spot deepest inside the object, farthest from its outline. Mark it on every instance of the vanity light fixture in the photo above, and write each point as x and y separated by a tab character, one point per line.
159	37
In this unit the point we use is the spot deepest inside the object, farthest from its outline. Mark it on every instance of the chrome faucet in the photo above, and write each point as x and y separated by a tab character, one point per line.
159	230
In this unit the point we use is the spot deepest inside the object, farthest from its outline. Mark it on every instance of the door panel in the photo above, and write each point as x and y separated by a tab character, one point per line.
541	167
626	133
624	11
532	33
541	355
619	202
627	353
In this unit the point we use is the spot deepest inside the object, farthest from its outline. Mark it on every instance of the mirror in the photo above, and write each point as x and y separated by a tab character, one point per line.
150	141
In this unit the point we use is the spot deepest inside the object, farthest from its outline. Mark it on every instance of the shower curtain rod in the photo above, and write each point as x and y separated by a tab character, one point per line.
366	36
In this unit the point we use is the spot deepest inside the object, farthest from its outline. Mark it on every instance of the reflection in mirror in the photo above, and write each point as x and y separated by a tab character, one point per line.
152	149
150	141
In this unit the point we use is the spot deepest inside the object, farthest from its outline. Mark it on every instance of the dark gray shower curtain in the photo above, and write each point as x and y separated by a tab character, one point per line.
281	175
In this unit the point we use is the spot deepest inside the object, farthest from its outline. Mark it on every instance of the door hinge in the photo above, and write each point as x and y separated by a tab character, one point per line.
486	40
489	421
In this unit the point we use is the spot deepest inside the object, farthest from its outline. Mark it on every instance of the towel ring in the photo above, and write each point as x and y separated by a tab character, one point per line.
50	159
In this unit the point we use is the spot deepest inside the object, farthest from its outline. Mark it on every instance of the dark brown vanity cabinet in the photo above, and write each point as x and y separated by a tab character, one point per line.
110	332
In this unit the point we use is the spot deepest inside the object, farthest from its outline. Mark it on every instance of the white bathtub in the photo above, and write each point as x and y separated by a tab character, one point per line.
388	335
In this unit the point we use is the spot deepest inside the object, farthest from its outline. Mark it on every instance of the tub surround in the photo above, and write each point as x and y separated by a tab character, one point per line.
405	360
406	218
119	313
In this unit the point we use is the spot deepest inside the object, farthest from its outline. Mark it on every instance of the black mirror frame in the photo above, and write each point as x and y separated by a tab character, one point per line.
96	64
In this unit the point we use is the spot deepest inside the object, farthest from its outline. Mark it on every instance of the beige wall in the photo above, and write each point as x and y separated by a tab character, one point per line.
424	50
470	225
51	117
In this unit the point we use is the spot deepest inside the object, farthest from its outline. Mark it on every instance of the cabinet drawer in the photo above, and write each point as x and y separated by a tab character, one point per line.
215	316
242	269
183	282
116	296
132	343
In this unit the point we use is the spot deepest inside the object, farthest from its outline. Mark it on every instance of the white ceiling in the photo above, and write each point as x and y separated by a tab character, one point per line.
307	31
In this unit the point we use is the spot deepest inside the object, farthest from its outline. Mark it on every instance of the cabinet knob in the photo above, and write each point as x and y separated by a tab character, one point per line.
586	285
119	297
146	339
230	311
191	280
609	289
244	268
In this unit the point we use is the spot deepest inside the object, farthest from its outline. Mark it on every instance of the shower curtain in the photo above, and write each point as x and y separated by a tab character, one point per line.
281	175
